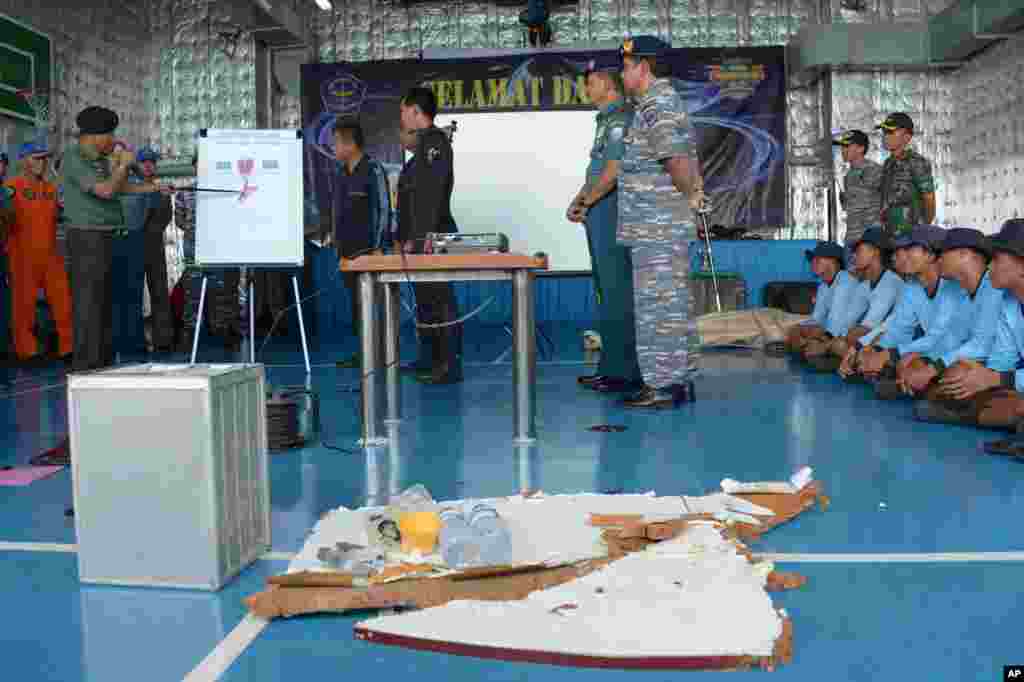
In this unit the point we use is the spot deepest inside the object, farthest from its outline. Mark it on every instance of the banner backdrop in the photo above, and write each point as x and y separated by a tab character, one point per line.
736	98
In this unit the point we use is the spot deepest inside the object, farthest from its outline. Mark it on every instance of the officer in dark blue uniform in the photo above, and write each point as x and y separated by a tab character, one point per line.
424	205
597	204
362	207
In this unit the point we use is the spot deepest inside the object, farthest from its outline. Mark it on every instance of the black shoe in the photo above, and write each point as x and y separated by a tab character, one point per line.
1009	447
591	379
441	376
34	362
651	398
684	393
415	368
616	385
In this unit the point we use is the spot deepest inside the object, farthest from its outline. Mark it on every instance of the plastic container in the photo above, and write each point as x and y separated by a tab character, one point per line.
492	534
459	544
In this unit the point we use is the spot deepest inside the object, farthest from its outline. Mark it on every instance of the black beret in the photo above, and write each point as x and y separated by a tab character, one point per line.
96	121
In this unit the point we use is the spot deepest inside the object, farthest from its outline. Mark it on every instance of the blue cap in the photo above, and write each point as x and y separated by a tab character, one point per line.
643	46
967	238
928	236
147	154
1011	238
3	157
828	250
875	236
32	149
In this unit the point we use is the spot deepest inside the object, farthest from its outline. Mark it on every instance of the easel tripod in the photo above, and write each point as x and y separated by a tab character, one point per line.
252	322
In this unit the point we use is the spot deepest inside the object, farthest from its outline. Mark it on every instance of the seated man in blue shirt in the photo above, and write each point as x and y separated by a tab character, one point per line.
879	290
965	256
829	316
362	208
986	391
921	318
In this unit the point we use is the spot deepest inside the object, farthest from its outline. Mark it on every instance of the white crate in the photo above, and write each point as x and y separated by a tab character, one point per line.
169	465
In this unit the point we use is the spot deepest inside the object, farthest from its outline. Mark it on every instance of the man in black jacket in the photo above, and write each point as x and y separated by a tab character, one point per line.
424	206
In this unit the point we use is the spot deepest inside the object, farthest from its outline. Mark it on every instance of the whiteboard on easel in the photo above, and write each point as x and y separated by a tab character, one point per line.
258	221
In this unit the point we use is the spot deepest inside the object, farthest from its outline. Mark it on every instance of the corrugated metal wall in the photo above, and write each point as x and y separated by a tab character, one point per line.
103	56
984	143
168	71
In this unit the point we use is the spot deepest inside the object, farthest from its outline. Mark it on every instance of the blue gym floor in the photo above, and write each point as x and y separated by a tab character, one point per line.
913	571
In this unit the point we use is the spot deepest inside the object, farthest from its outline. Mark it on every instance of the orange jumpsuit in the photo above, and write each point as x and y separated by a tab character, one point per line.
33	262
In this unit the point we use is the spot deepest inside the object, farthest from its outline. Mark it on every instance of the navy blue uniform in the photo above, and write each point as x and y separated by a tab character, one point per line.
610	261
424	205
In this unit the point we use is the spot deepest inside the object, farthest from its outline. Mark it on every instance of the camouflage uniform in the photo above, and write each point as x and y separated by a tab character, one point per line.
904	181
861	199
657	222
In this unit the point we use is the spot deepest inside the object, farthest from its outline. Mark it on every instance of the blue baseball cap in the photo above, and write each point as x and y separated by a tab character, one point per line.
827	250
147	154
928	236
875	236
967	238
32	149
1011	238
643	46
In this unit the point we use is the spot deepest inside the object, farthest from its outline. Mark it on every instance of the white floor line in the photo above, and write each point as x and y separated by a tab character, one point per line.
36	547
815	558
224	654
915	558
6	546
278	556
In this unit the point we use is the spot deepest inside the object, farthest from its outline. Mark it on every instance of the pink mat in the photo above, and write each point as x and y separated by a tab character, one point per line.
22	476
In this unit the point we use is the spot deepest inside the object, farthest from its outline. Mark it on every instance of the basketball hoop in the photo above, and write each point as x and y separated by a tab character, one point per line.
39	103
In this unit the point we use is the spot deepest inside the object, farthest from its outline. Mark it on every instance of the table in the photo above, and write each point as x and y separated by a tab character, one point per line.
385	273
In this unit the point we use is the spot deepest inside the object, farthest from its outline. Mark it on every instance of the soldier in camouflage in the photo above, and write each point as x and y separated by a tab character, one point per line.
861	196
908	187
660	187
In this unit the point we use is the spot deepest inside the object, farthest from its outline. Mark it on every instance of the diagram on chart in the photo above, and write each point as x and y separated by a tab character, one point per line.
245	169
259	221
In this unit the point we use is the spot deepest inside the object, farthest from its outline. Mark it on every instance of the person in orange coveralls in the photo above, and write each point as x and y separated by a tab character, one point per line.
33	258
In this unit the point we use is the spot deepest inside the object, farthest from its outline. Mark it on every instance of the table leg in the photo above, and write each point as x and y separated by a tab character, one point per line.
524	357
392	303
371	365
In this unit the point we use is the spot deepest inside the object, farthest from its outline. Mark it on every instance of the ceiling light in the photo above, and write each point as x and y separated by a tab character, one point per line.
325	5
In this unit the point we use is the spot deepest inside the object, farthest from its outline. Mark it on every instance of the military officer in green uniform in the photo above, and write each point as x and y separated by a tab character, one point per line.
597	206
908	186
